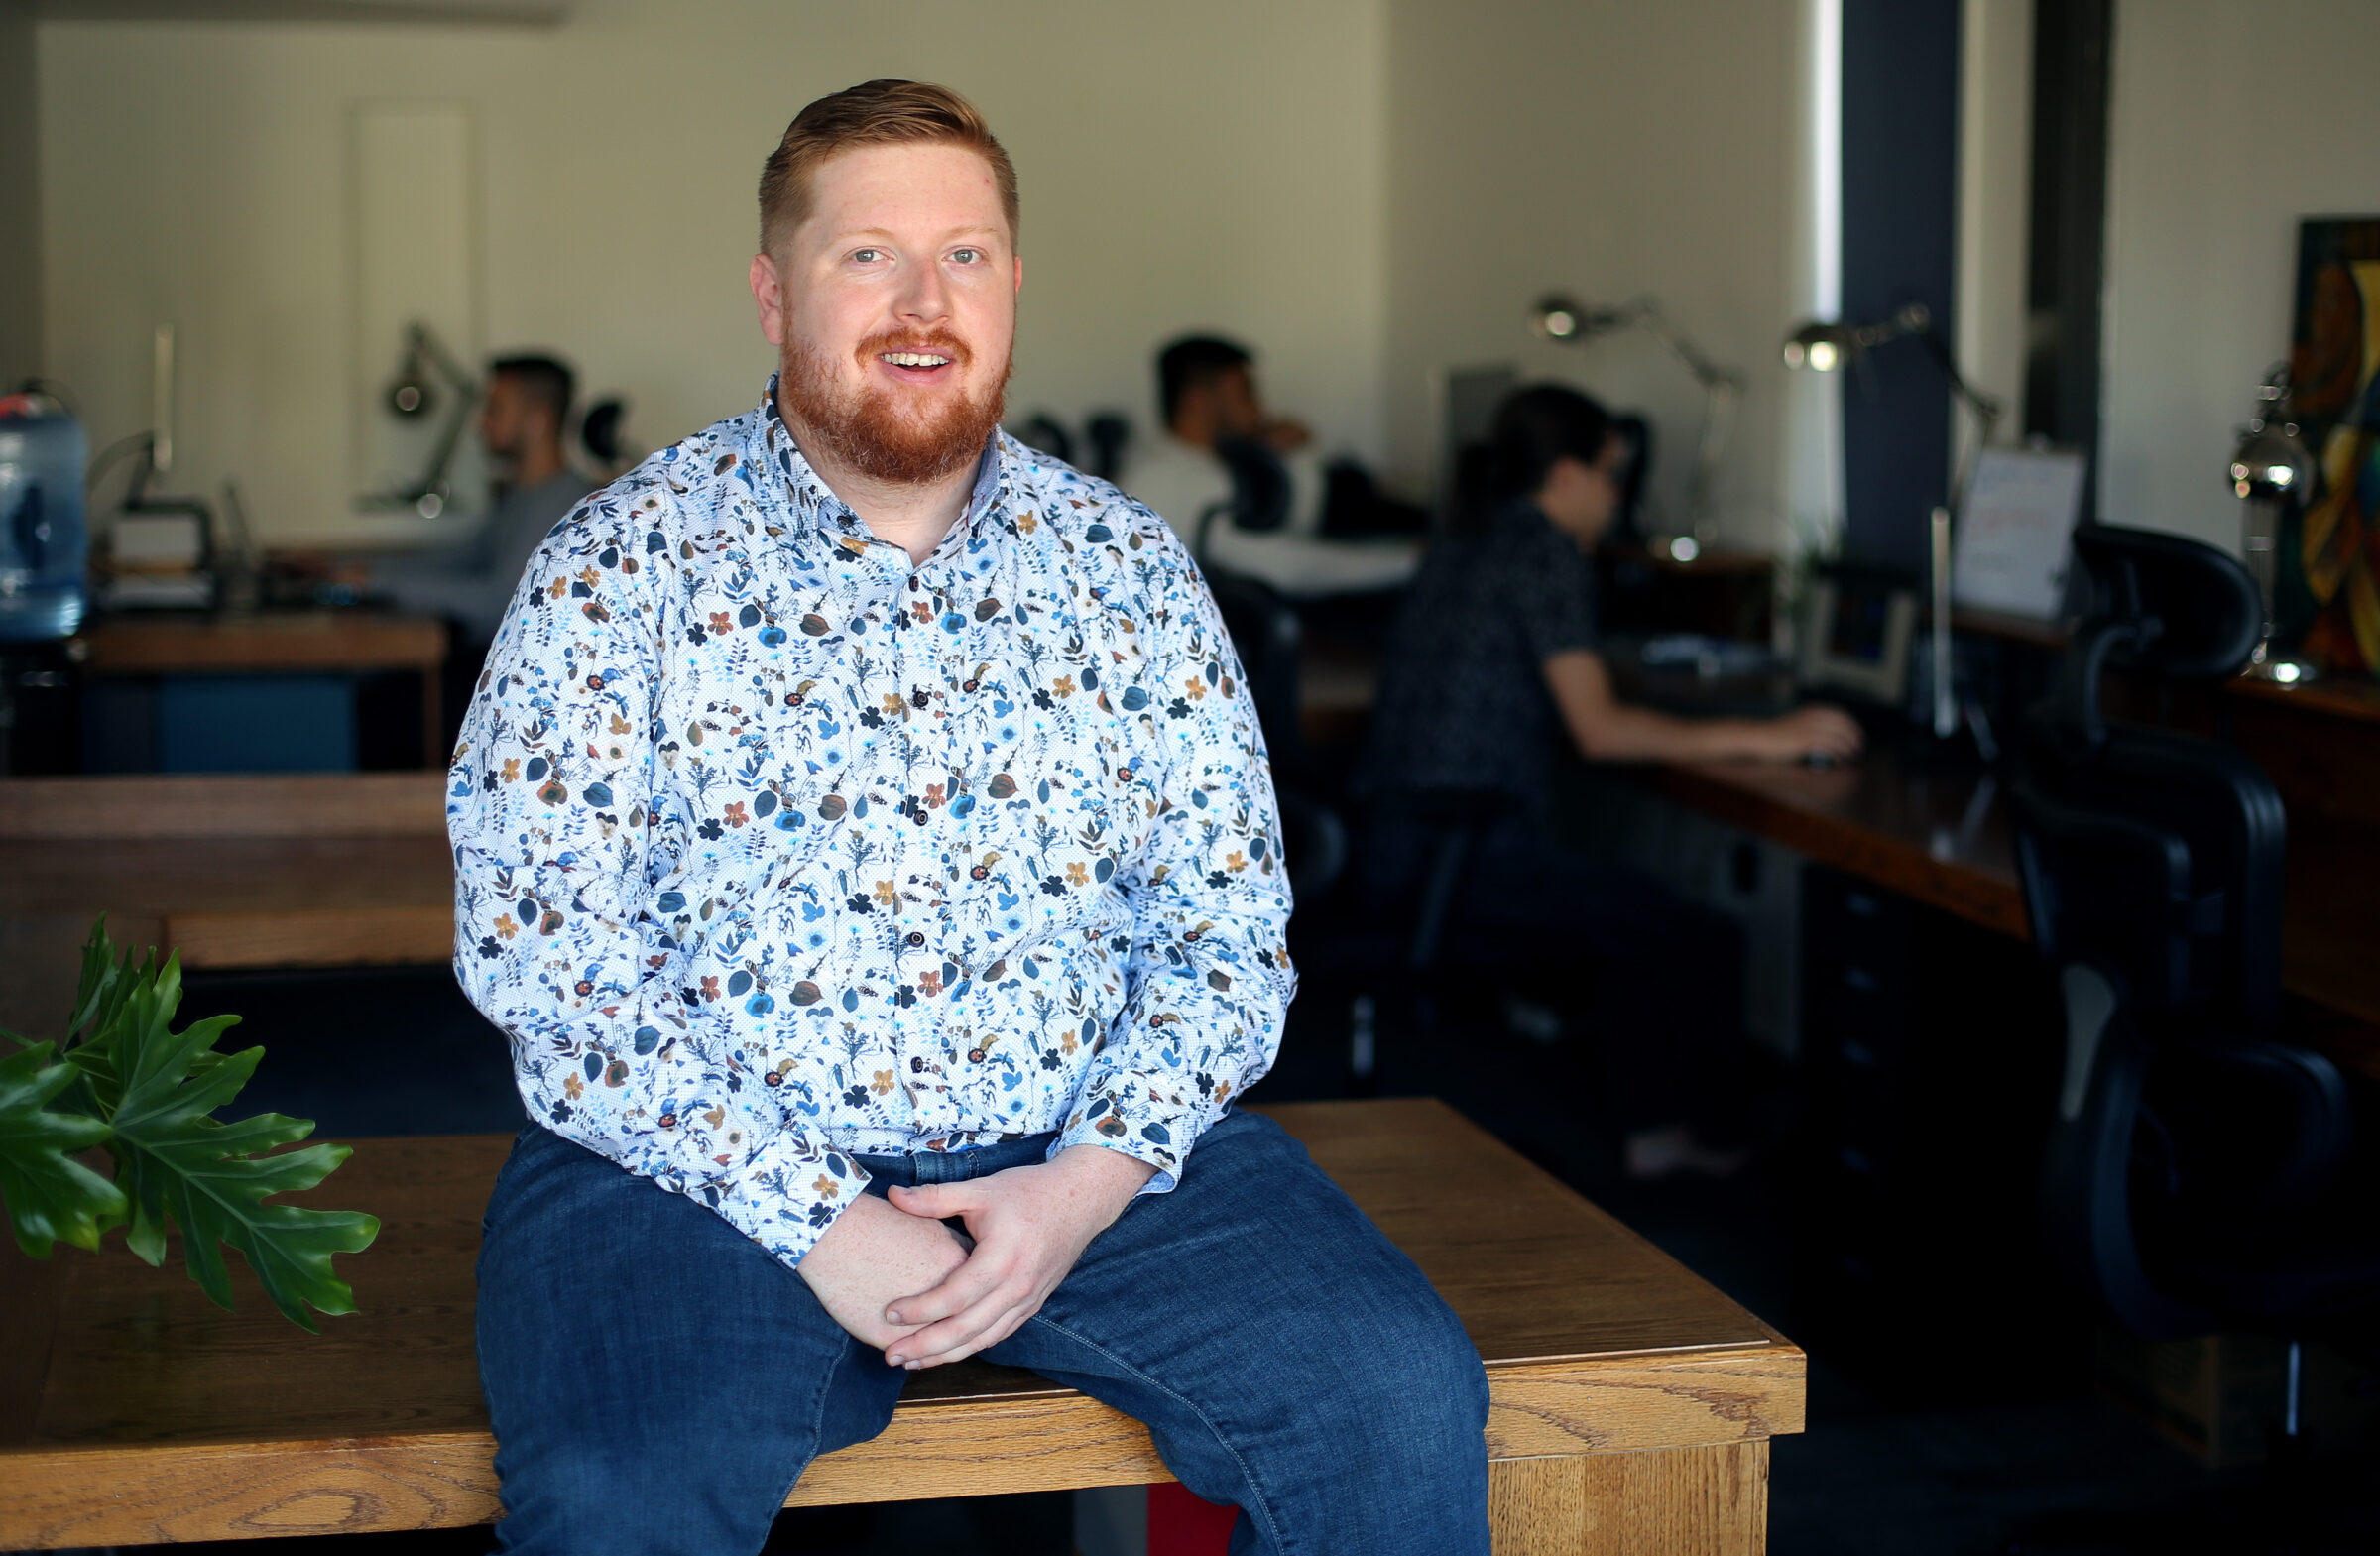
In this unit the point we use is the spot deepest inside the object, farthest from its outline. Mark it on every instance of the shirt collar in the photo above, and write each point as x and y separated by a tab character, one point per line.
818	504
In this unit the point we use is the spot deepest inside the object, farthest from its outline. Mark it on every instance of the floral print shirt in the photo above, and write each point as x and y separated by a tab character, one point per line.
772	847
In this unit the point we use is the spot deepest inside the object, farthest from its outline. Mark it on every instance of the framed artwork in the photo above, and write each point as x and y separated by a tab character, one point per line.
2329	580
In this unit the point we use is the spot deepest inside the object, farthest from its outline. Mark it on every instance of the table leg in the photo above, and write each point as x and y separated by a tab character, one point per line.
1676	1502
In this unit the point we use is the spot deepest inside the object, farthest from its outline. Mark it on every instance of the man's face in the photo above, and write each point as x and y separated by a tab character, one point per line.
509	420
893	312
1239	409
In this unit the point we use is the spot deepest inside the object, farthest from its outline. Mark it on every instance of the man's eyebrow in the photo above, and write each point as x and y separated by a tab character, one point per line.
850	234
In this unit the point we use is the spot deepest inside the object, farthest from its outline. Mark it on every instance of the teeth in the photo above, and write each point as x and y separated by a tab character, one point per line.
913	359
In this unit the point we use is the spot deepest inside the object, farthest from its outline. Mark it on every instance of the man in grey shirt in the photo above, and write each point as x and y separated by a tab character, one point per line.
520	424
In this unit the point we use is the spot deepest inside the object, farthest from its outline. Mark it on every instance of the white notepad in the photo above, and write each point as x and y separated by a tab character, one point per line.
2015	531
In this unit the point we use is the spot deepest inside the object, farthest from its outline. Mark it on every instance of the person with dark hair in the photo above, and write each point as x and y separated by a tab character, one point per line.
520	423
862	832
1492	672
1207	392
1206	383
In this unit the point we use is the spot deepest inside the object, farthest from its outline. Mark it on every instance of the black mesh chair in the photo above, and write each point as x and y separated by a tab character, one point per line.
2188	1183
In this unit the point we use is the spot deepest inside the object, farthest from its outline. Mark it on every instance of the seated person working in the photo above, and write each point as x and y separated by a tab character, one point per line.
1491	670
520	424
1207	392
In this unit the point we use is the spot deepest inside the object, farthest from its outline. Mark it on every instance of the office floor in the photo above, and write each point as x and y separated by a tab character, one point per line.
1891	1463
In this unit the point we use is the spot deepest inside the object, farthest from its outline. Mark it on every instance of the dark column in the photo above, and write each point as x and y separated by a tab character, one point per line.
2068	265
1900	223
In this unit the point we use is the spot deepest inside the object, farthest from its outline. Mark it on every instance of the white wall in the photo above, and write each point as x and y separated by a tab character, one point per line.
1218	165
19	202
1608	148
2229	123
1995	176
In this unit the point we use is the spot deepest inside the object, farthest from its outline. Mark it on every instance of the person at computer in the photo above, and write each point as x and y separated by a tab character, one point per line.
1207	392
1493	674
520	424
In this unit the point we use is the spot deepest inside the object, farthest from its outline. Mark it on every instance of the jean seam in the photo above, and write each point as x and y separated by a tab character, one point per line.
1264	1508
826	1388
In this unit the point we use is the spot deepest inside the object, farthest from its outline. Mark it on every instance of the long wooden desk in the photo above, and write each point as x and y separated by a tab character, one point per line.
1632	1403
277	642
1937	831
330	869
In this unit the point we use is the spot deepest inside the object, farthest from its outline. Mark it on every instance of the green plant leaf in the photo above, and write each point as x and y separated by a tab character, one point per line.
50	1195
180	1163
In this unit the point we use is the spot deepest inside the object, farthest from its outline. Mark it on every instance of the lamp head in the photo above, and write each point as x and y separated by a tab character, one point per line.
412	395
1564	319
2271	460
1820	348
1824	345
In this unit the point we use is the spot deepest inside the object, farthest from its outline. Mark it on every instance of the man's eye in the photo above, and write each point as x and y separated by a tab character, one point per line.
867	256
966	256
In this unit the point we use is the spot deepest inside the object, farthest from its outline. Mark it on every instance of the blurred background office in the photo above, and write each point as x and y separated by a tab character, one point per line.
330	306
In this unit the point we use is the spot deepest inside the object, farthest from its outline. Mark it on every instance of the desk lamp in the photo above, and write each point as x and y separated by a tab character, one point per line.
1559	318
2270	465
1823	346
413	396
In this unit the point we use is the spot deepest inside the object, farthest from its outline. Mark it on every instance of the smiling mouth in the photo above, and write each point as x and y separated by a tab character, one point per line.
913	359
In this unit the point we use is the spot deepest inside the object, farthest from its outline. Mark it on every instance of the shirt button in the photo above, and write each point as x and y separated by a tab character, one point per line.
916	937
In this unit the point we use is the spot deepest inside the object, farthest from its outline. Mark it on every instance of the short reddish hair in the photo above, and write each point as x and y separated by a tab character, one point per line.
873	113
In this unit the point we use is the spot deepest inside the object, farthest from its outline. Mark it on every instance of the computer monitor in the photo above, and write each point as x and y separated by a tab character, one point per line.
1857	626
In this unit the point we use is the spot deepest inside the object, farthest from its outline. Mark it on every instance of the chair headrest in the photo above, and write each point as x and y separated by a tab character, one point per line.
2161	603
2177	607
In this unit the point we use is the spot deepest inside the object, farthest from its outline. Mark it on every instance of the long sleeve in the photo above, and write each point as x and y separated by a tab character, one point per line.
1208	981
565	859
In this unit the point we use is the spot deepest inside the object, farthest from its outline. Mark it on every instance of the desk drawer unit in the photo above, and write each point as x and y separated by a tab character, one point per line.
1928	1062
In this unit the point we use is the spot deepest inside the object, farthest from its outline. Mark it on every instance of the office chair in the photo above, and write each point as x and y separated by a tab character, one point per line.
1258	501
2182	1185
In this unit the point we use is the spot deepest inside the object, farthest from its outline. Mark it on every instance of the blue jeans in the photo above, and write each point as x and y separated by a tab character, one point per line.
658	1383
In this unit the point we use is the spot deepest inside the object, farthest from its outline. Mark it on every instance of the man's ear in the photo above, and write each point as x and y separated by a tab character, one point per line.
1019	283
768	292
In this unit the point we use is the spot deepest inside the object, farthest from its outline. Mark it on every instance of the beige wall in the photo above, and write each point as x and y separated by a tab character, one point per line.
1612	150
19	202
2229	123
1995	141
1218	165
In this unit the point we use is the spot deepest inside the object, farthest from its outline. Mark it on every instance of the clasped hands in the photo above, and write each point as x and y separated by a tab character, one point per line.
898	1279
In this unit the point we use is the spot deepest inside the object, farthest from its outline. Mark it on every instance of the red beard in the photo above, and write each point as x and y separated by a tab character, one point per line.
870	433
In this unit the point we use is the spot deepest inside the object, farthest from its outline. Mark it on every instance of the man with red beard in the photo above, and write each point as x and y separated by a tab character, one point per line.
862	832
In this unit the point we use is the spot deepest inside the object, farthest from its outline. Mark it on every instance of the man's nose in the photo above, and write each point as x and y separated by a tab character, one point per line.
925	296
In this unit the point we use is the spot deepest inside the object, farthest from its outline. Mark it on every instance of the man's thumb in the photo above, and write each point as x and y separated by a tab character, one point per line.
926	1199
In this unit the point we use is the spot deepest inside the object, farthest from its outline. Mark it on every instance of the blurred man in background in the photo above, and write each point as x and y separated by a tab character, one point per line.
1207	393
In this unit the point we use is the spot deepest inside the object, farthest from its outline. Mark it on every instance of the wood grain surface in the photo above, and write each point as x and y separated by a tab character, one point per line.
331	870
285	641
1687	1501
1935	832
143	806
154	1415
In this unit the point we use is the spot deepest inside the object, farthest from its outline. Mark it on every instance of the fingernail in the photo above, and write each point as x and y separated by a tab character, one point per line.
893	1359
891	1316
908	1366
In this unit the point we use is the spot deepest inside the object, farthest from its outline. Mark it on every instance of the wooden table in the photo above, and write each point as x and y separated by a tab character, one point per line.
1632	1403
328	870
289	643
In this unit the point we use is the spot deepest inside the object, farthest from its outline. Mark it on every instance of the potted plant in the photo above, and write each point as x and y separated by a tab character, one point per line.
124	1080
